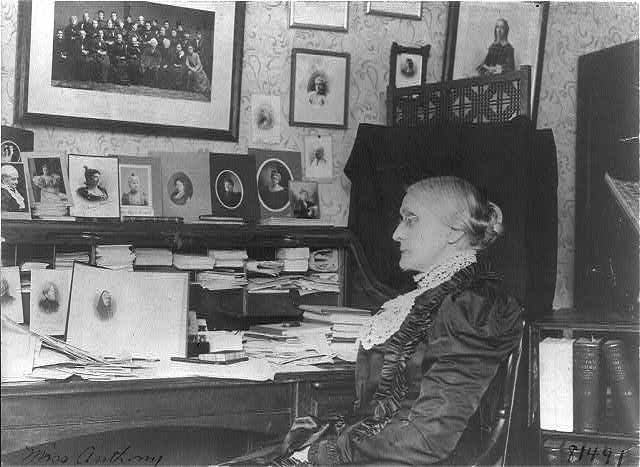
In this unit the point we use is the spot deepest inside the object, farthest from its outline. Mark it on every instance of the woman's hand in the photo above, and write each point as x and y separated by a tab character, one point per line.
300	431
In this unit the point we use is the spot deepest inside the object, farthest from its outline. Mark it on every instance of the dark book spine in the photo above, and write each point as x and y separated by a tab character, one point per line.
587	388
624	391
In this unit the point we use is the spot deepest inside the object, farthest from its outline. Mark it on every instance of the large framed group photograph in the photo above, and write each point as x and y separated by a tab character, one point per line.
144	67
494	38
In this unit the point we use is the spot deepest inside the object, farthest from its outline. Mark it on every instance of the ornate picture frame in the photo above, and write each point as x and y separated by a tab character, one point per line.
408	66
77	101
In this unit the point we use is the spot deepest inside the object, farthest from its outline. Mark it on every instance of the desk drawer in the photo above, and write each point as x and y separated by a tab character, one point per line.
324	398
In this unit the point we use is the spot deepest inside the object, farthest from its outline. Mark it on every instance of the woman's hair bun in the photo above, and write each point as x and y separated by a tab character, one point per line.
494	227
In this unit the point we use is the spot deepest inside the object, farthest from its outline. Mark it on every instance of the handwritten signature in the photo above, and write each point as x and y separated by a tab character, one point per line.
576	454
88	456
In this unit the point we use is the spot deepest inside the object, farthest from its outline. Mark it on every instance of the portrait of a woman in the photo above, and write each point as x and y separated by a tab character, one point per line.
49	298
426	358
180	189
48	184
500	57
273	194
92	190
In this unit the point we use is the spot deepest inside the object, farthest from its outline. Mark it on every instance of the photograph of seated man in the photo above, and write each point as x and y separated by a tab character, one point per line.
162	53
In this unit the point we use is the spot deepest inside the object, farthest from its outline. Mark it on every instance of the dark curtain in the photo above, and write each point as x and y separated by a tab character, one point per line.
513	163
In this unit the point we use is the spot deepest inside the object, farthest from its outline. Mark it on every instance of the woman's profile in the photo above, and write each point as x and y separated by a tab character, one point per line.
500	57
105	306
49	298
427	357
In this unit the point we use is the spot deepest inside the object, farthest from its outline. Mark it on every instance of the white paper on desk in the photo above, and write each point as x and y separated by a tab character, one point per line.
49	301
147	316
254	369
18	348
224	340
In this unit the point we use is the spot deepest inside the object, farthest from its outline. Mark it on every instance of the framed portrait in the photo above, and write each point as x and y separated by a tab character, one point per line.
140	186
304	200
265	118
49	301
407	10
54	89
185	184
11	293
408	66
94	186
318	158
15	141
493	38
275	170
15	196
48	181
233	189
329	16
319	88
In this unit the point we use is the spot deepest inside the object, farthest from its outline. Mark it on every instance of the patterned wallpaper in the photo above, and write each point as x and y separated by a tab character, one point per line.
574	29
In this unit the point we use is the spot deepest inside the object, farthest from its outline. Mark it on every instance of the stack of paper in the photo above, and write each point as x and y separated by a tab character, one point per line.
307	349
228	258
294	259
556	384
154	257
319	282
200	262
116	257
265	268
221	280
345	322
269	285
31	265
65	260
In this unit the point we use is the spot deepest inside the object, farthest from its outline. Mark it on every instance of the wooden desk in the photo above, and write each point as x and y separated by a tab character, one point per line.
47	412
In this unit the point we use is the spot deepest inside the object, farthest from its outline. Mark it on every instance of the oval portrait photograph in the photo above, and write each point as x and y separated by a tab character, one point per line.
273	184
180	188
229	189
10	152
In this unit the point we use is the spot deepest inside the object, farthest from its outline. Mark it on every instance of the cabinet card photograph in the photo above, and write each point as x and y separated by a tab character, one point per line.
10	152
274	171
265	118
11	293
94	186
48	182
304	200
408	65
186	189
318	158
319	88
141	314
233	186
49	301
140	186
15	196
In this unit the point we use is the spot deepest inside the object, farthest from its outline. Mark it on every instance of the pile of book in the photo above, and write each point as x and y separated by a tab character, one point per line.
183	261
265	268
224	357
116	257
294	259
222	220
154	257
221	280
587	385
232	259
345	322
65	260
319	282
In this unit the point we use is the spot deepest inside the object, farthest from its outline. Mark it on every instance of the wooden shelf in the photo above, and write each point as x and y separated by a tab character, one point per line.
607	437
589	320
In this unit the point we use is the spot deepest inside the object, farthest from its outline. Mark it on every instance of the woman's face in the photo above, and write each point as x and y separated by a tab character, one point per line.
180	186
501	30
94	180
134	184
45	170
275	178
424	239
51	294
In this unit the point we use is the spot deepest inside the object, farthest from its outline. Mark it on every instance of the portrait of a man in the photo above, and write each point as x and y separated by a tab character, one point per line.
229	189
318	163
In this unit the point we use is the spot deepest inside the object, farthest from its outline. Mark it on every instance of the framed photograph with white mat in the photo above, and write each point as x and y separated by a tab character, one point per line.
11	293
318	158
116	313
94	186
49	301
140	186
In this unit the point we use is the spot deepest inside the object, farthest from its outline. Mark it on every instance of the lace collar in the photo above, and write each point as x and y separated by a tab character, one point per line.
393	312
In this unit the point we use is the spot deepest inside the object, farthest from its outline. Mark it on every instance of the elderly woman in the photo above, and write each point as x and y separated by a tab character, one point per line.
197	80
427	357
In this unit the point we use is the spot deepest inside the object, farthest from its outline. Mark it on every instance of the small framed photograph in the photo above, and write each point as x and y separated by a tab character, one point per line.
140	186
94	186
10	152
494	38
15	196
407	10
275	170
233	190
49	301
11	293
265	118
408	66
304	200
48	182
328	16
319	88
318	158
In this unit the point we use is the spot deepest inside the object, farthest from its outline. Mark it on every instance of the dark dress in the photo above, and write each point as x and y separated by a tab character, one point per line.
102	64
499	54
84	192
8	203
119	72
275	200
150	64
417	392
61	60
133	64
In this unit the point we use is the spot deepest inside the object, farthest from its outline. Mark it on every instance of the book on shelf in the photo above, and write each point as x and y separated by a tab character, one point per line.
588	394
295	221
167	219
556	384
623	387
222	220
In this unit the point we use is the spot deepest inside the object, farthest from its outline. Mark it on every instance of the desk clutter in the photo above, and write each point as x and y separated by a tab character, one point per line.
128	316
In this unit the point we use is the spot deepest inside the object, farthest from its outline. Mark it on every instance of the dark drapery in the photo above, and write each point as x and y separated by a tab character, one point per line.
515	165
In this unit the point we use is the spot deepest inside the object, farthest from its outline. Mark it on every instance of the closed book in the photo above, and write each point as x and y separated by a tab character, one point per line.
624	389
223	355
556	384
587	385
